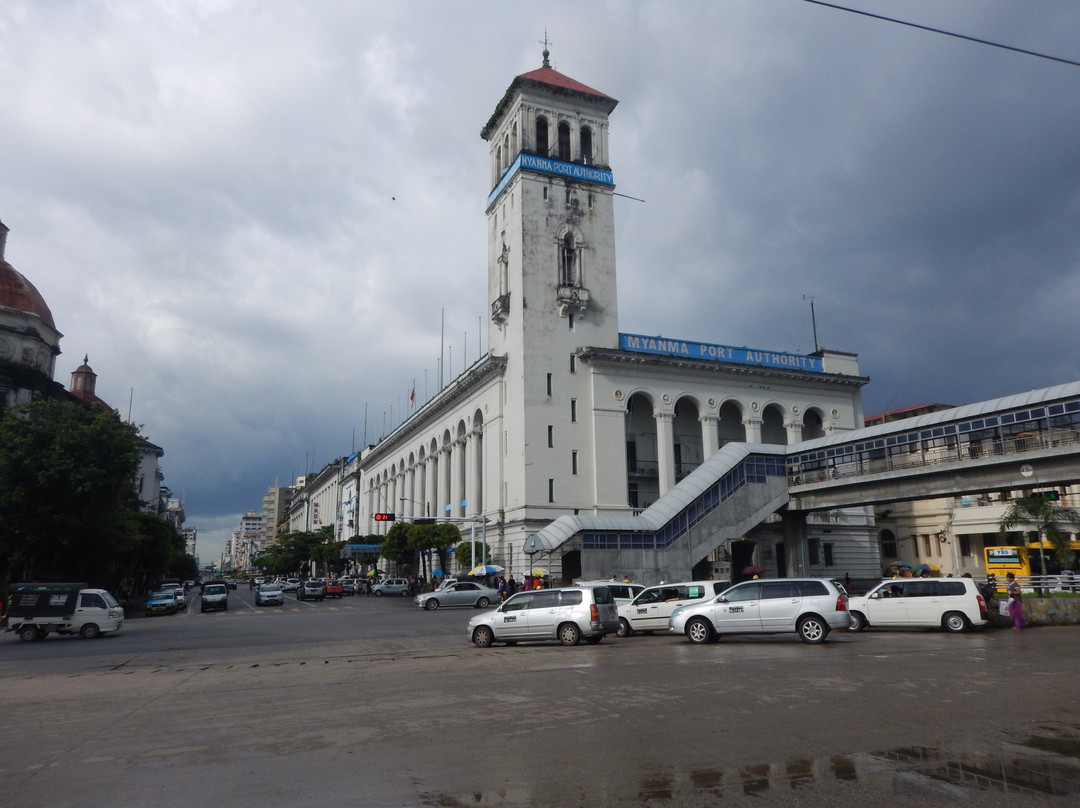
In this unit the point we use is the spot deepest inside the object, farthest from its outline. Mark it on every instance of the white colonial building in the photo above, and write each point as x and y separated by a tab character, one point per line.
566	414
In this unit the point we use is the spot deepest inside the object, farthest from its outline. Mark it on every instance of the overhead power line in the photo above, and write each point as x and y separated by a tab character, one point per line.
945	33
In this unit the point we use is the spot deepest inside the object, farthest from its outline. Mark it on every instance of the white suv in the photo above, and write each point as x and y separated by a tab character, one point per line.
650	610
569	615
391	586
810	607
951	603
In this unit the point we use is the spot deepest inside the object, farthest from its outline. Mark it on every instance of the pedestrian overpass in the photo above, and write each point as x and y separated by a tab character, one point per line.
1025	441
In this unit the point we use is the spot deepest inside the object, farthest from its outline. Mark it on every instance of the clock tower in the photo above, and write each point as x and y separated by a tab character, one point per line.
551	229
551	283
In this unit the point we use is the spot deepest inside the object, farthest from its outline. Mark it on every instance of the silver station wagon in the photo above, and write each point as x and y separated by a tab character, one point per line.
569	615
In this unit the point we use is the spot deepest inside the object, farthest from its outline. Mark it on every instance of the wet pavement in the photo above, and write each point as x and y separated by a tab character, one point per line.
418	717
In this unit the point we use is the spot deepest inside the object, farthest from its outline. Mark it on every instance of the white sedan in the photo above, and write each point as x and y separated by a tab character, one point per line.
462	593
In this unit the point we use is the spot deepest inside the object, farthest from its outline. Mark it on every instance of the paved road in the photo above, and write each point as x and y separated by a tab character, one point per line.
374	702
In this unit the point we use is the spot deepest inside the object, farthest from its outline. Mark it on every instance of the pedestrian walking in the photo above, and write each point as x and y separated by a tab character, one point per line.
1016	601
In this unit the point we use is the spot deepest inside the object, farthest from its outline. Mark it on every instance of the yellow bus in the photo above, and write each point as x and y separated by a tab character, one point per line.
1024	562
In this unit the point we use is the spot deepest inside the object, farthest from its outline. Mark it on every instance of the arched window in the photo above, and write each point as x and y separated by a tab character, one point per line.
564	141
586	145
568	261
542	136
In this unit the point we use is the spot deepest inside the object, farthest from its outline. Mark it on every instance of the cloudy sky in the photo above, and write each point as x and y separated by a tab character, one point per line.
255	215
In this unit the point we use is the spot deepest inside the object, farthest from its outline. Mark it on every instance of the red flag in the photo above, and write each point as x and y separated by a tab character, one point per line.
412	397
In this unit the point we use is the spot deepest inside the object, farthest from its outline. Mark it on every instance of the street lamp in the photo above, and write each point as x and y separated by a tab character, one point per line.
414	502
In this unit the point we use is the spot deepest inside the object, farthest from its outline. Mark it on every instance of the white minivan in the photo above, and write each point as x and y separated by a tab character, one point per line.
950	603
650	610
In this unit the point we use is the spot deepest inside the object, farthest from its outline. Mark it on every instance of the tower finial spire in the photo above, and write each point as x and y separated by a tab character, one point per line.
547	53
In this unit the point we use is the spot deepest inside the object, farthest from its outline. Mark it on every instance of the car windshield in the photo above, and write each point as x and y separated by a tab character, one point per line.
217	589
161	596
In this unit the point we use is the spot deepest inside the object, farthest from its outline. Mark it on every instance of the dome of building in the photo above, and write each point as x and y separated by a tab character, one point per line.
16	292
29	341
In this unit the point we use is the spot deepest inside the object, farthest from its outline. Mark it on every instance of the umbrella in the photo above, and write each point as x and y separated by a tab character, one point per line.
752	570
485	569
926	568
539	572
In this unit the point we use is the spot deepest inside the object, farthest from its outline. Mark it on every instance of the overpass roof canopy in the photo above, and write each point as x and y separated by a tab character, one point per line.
1019	400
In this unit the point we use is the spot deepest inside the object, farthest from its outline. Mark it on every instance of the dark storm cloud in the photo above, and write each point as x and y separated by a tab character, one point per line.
256	216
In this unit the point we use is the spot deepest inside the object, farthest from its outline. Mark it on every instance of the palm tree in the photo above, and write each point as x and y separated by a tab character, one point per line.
1046	519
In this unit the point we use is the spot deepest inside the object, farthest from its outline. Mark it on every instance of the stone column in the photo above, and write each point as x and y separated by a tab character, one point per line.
472	476
794	431
457	476
753	429
431	487
710	436
665	450
444	483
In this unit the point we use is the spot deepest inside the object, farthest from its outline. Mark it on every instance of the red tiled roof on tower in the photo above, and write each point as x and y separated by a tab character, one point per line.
16	292
549	78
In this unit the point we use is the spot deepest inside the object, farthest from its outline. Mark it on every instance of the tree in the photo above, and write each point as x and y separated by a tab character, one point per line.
437	537
1045	519
466	553
67	498
396	546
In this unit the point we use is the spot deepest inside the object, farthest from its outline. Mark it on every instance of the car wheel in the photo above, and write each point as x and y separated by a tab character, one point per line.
569	634
858	622
699	631
812	629
28	633
483	603
955	622
624	628
404	593
431	604
482	637
89	631
378	593
593	639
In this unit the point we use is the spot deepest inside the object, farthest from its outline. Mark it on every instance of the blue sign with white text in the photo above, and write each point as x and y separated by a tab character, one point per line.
574	171
724	353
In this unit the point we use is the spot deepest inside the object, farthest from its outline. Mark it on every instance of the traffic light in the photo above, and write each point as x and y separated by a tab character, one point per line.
384	517
1049	496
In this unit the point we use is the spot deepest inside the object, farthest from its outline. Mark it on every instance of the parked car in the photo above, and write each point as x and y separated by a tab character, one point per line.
333	589
391	586
291	584
650	610
348	586
810	607
954	604
161	603
181	598
569	615
622	591
461	593
269	595
310	590
215	595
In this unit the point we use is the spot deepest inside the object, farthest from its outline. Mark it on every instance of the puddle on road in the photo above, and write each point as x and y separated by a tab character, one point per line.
1042	767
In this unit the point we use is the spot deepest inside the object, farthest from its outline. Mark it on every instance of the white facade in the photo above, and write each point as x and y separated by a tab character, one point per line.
565	415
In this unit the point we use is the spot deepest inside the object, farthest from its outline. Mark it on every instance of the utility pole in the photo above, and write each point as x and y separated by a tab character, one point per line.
813	320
